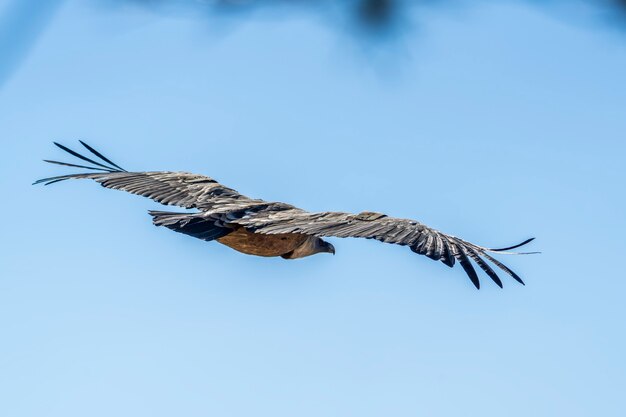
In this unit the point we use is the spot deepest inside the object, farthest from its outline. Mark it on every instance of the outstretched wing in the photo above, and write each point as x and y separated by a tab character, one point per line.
420	238
170	188
223	207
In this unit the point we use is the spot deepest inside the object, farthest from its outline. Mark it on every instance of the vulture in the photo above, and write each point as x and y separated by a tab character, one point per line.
265	228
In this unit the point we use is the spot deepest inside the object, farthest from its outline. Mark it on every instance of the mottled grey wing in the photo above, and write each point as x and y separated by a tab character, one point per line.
420	238
181	189
212	224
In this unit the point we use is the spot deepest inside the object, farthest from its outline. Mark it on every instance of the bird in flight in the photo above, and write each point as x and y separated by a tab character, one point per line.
264	228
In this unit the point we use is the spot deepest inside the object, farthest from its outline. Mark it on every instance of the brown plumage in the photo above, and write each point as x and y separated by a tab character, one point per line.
262	228
259	244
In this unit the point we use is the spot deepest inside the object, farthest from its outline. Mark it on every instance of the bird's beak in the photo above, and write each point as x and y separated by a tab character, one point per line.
331	249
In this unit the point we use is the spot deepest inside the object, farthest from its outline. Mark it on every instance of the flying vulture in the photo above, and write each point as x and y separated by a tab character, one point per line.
264	228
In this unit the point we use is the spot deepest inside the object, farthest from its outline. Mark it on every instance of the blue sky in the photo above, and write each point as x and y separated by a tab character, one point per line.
494	123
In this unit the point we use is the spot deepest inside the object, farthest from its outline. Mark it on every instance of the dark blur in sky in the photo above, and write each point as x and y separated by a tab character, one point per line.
376	15
22	21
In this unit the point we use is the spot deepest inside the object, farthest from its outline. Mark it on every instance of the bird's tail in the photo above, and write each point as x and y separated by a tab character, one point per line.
106	165
197	225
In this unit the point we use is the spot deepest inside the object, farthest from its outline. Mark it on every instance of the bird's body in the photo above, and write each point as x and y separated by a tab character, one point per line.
258	244
262	228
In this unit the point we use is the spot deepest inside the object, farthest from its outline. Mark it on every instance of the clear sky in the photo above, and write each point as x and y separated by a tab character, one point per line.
494	123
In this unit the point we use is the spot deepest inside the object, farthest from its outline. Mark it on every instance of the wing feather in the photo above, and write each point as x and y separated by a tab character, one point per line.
420	238
171	188
461	256
484	266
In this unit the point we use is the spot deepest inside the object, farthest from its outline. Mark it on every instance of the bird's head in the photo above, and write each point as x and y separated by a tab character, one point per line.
324	246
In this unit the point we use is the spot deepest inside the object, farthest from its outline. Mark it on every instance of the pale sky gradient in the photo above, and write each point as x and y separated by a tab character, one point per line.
494	123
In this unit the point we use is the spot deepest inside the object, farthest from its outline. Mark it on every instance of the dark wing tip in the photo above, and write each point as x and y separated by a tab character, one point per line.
514	246
484	266
84	158
65	148
99	155
504	268
53	181
469	269
77	166
49	180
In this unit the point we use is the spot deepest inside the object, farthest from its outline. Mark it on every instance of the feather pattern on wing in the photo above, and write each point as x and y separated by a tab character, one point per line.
420	238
